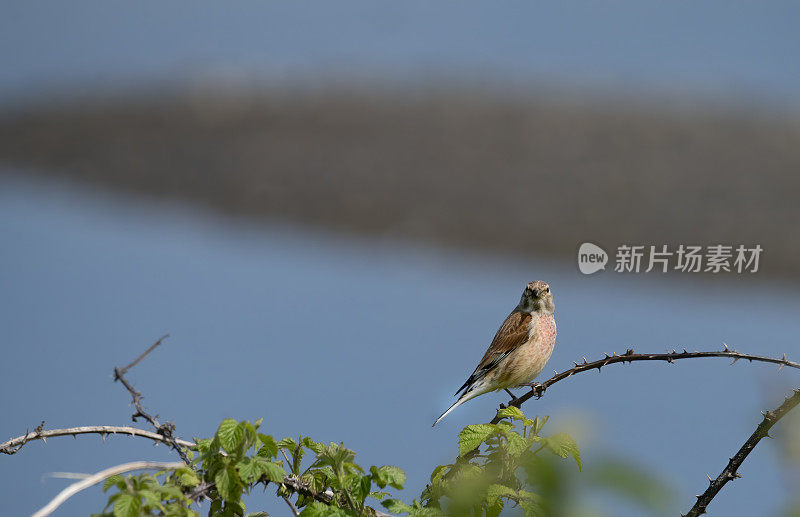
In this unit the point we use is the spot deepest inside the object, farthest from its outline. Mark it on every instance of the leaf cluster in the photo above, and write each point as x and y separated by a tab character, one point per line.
498	464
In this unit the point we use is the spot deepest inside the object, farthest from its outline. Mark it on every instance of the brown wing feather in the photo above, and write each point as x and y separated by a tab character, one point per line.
511	334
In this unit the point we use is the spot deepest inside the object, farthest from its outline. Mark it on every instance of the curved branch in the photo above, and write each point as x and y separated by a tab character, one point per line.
629	356
100	476
15	444
729	472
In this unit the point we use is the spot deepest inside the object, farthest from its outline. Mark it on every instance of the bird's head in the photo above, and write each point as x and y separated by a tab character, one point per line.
537	298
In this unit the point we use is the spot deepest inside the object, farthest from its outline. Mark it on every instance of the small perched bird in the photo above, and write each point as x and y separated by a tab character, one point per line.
519	350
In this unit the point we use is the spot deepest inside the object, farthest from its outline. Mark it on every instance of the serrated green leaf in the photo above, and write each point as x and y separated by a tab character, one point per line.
272	470
127	505
202	444
188	478
438	473
563	445
495	492
228	484
170	492
397	506
312	445
289	444
512	412
269	449
317	509
473	435
230	435
515	444
249	470
112	481
379	495
388	475
151	498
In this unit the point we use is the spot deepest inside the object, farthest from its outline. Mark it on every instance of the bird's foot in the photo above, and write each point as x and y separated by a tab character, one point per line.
537	388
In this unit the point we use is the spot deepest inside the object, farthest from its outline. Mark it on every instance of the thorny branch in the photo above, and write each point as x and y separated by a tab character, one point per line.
729	473
167	429
15	444
537	390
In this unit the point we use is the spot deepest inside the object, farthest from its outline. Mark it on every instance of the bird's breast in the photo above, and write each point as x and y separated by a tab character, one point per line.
529	360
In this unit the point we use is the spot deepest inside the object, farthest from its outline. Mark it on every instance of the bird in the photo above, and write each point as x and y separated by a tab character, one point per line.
520	348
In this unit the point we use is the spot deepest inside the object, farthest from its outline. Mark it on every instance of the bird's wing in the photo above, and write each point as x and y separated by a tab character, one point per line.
510	336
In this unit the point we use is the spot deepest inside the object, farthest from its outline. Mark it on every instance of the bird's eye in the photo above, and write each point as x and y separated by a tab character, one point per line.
547	289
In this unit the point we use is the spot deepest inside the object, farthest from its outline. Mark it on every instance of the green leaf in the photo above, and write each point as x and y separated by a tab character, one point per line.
188	478
127	505
257	514
512	412
228	484
388	475
269	449
312	445
202	444
249	470
151	498
516	444
272	470
495	492
117	480
438	473
538	423
397	506
563	445
288	443
317	509
230	435
379	495
472	436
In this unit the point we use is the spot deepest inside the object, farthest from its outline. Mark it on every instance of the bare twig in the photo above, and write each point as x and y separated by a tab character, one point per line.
100	476
145	354
729	473
167	429
294	510
629	357
15	444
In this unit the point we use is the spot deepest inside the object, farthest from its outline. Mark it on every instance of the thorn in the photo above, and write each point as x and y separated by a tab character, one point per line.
555	371
44	440
684	351
780	366
710	481
725	347
734	360
670	360
575	363
584	360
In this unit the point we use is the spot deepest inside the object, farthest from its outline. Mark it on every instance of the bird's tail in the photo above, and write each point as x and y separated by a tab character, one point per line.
468	395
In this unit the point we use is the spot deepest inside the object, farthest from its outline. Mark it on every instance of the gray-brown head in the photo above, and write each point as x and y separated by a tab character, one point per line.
537	298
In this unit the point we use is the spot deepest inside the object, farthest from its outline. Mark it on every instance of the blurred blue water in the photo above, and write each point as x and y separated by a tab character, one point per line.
351	340
743	50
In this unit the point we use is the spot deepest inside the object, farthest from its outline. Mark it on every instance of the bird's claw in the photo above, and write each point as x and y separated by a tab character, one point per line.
537	388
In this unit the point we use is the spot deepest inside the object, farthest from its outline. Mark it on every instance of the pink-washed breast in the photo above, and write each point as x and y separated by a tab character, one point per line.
529	360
